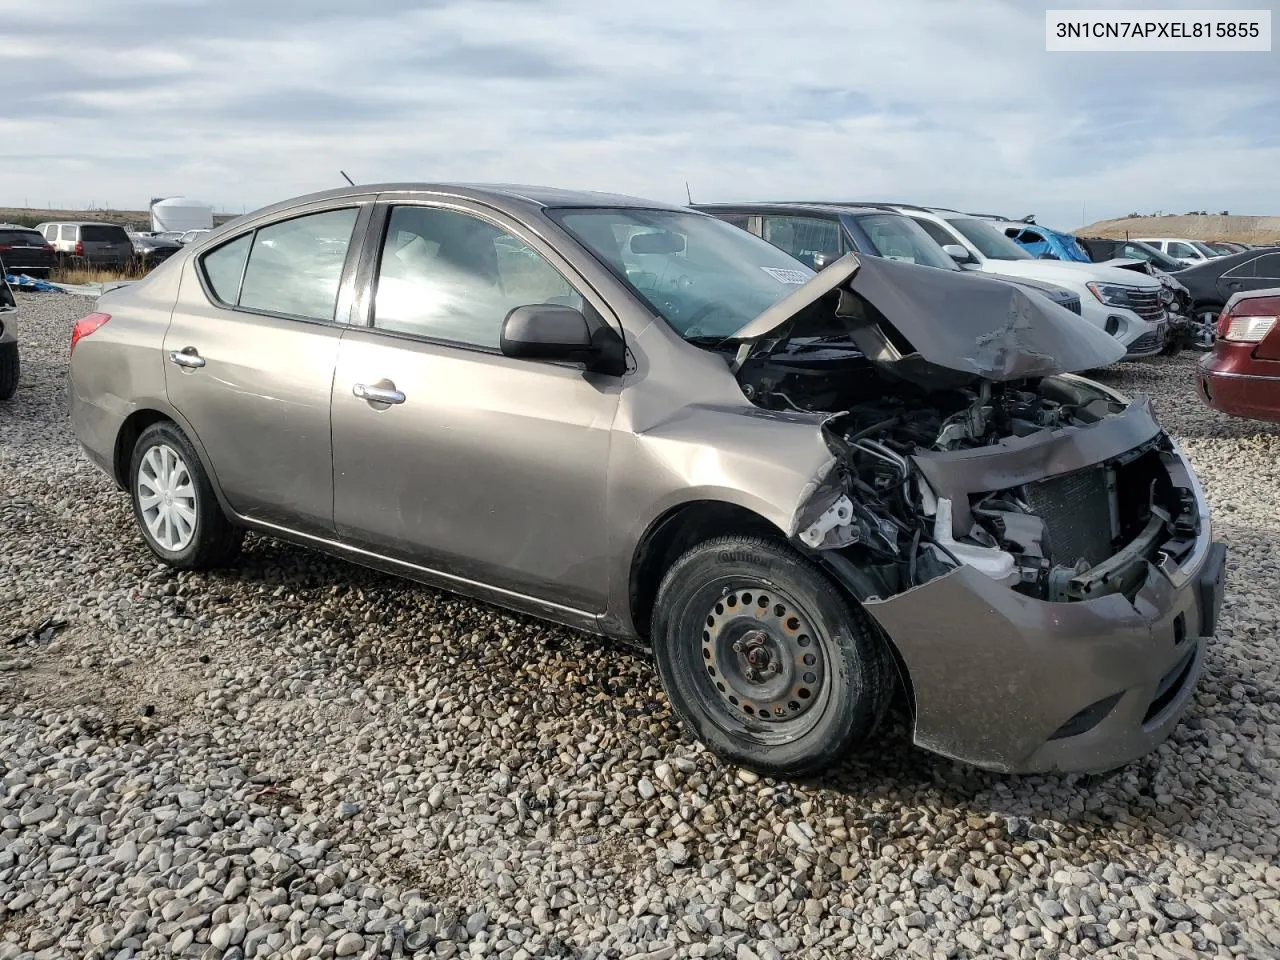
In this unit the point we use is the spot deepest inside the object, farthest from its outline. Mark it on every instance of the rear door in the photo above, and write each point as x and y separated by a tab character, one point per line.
250	355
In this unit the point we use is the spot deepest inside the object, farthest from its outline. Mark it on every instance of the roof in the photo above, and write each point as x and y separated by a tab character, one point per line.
791	206
497	194
82	223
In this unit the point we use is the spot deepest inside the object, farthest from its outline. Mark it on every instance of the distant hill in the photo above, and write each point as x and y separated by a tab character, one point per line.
139	219
1210	227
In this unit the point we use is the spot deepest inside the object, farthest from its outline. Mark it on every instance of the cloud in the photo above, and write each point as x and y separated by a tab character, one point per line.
244	102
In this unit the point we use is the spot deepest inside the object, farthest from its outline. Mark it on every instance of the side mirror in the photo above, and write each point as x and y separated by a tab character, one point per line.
957	252
545	331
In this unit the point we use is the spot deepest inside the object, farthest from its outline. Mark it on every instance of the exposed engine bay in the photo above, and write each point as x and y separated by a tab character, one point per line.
896	505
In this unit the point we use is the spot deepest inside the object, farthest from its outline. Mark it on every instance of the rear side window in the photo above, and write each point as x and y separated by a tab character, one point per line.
295	266
103	233
68	231
224	267
1184	250
1268	267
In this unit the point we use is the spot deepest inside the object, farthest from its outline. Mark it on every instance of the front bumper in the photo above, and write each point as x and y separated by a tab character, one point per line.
1150	344
1016	684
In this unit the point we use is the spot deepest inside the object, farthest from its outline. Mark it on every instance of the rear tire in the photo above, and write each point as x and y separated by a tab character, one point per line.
174	504
764	659
10	369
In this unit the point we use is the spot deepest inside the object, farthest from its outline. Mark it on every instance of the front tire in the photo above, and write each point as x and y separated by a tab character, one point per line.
764	659
10	370
174	504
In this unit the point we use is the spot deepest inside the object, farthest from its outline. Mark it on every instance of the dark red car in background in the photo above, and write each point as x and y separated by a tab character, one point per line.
1242	374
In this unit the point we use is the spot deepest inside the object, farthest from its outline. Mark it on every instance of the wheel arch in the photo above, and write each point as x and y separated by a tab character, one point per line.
677	530
132	428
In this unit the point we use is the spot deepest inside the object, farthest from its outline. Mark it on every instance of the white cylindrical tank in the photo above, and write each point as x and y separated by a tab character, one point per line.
180	214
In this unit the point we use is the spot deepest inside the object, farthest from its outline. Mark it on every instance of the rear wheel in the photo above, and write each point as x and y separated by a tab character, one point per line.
764	659
174	503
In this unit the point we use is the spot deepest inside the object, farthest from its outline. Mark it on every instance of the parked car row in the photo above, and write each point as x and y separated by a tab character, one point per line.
790	475
1131	308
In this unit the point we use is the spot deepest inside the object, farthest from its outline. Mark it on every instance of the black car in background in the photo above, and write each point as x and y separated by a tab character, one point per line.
24	250
150	250
818	234
1212	283
1101	249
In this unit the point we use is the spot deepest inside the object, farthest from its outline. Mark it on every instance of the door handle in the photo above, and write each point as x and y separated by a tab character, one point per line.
378	394
187	357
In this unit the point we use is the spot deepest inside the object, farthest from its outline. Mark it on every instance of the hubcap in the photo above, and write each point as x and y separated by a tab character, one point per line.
167	497
762	657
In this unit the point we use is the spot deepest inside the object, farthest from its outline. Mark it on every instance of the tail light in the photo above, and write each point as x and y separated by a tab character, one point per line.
5	248
48	248
86	325
79	248
1249	320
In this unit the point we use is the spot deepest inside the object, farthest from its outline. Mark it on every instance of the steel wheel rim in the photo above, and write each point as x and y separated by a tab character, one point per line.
166	498
763	665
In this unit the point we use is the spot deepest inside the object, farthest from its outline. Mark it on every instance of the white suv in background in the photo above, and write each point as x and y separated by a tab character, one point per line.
1123	303
1190	252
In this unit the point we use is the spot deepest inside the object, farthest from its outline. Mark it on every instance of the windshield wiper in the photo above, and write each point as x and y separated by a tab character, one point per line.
703	340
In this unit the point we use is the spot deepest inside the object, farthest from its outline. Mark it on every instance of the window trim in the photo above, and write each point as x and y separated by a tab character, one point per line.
364	315
344	299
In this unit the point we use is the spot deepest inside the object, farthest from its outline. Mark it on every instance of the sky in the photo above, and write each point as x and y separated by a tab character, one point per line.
242	103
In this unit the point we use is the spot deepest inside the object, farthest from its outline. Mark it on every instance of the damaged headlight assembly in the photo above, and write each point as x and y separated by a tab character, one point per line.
1114	294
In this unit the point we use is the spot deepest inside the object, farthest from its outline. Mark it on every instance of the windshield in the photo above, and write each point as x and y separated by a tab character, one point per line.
704	277
1144	251
901	238
991	243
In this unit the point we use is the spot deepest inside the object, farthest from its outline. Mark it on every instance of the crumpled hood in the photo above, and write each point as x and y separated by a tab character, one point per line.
928	325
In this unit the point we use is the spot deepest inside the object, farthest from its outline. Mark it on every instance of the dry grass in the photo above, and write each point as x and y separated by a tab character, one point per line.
1242	229
97	274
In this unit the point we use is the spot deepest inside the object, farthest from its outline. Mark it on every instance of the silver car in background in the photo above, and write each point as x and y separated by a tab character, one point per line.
803	492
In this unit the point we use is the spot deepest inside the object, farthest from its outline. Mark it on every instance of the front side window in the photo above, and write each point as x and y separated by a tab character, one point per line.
991	243
1177	249
702	276
295	266
804	237
451	276
901	238
937	231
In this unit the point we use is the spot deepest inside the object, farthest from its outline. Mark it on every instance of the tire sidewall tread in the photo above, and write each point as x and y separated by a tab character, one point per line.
858	666
216	540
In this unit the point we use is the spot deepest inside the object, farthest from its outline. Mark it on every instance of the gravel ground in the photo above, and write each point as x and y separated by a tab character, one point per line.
302	758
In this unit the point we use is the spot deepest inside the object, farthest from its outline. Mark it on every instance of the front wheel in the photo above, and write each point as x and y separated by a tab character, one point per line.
1205	329
174	503
764	659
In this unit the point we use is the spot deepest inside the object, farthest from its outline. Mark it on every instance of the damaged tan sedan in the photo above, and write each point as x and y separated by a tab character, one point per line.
803	492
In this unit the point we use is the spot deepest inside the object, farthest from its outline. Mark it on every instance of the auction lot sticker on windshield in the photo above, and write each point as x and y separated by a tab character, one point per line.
784	275
1158	31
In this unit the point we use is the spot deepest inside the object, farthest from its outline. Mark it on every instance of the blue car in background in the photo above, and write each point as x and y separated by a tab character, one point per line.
1042	242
